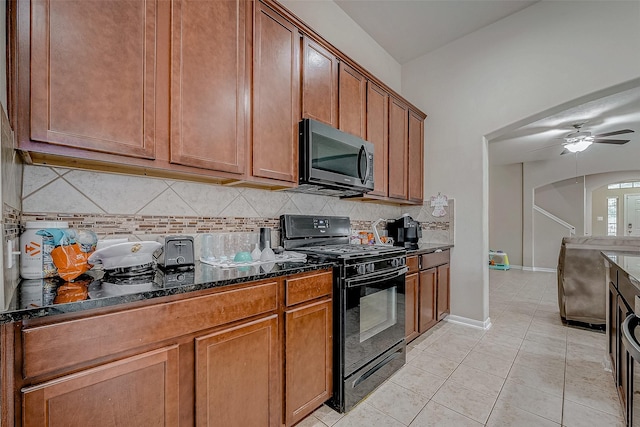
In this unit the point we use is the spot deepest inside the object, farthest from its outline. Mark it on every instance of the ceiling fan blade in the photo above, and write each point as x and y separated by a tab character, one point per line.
617	132
611	141
565	151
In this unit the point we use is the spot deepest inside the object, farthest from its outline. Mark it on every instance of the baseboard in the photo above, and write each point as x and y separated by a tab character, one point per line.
469	322
542	269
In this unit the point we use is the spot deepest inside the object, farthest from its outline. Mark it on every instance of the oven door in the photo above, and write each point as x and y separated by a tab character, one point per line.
374	318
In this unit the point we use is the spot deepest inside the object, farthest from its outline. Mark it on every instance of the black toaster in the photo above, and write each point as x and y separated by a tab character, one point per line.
176	251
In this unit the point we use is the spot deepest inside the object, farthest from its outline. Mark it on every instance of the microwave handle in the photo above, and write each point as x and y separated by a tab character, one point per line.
363	174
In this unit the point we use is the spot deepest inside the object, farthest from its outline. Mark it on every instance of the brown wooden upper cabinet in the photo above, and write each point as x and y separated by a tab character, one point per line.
319	83
352	101
378	135
93	79
398	149
416	157
210	84
276	96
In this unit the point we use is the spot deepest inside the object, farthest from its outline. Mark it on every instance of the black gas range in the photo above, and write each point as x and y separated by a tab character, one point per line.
369	303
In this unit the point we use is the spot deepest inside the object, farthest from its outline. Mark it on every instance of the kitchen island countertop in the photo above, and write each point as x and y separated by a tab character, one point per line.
39	298
627	262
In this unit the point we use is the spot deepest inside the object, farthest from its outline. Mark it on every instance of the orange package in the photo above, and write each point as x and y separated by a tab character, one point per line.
70	261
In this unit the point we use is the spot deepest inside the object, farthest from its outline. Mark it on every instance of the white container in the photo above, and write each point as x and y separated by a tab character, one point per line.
35	257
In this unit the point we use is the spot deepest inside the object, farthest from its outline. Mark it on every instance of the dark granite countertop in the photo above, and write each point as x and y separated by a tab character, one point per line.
628	262
41	298
427	248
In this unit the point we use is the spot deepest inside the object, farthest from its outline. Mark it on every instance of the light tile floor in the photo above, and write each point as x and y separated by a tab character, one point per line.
526	370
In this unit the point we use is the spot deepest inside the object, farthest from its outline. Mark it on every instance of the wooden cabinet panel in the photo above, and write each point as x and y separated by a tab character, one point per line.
319	83
308	287
416	157
428	289
209	83
443	291
237	371
93	81
411	307
352	108
434	259
413	264
378	135
136	391
398	149
62	345
276	96
309	359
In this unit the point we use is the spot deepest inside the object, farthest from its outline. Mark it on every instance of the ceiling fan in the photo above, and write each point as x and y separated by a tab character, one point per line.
580	140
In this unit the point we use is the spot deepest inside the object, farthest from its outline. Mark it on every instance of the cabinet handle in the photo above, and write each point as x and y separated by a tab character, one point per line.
628	339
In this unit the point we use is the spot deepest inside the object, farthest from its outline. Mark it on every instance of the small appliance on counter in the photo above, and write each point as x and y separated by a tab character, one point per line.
405	231
176	251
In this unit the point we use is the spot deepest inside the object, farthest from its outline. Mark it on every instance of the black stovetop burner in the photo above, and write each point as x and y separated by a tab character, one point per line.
347	250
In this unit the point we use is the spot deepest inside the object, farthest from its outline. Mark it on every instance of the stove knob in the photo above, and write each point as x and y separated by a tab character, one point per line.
361	269
370	267
403	261
180	260
395	262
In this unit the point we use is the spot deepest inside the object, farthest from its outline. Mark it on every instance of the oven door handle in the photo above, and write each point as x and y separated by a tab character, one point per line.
375	277
628	339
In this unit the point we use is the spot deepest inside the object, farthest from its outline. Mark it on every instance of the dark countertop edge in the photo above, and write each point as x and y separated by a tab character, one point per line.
74	307
427	248
607	255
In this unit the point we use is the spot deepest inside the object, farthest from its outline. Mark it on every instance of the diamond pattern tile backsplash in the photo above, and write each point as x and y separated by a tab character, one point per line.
112	204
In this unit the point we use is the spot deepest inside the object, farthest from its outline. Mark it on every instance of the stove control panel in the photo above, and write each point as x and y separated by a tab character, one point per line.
375	266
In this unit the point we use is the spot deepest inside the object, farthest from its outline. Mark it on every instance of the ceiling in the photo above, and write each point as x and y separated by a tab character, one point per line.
542	139
410	29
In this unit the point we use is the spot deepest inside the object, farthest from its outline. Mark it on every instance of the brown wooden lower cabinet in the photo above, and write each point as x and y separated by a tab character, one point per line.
426	292
428	299
138	390
220	358
411	293
308	355
237	375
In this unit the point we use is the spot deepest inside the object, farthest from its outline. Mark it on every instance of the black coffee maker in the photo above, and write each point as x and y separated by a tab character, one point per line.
405	231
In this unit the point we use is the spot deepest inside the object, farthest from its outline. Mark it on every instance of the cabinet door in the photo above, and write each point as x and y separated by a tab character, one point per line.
428	284
309	359
411	307
276	96
416	157
93	81
398	149
237	371
136	391
443	291
612	328
378	135
319	83
209	84
352	101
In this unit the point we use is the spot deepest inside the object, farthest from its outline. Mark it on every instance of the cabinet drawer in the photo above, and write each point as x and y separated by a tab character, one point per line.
306	288
412	264
62	345
434	259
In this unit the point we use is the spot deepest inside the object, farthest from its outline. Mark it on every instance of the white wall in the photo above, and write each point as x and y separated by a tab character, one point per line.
505	210
526	63
328	20
564	199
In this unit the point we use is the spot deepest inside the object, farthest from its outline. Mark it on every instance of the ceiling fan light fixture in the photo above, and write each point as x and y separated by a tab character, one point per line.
581	145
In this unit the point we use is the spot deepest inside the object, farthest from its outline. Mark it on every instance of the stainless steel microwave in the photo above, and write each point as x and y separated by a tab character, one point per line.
333	162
